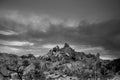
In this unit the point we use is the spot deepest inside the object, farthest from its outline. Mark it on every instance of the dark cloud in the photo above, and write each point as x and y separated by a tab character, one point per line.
104	34
52	22
101	34
83	9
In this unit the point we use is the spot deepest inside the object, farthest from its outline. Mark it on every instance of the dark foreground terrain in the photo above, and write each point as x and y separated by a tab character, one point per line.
58	64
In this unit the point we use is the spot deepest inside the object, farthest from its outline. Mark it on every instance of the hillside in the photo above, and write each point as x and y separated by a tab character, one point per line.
58	64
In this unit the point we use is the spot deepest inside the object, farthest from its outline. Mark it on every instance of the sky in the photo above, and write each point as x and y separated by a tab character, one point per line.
36	26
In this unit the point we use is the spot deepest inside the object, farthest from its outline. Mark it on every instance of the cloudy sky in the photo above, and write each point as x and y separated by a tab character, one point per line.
35	26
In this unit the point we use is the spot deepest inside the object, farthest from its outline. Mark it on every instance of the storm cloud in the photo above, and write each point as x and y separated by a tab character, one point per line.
42	31
105	34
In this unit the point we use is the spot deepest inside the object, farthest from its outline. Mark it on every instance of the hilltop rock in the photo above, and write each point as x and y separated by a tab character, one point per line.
55	49
66	45
67	49
57	54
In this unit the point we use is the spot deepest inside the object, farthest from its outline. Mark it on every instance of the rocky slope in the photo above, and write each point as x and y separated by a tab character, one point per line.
58	64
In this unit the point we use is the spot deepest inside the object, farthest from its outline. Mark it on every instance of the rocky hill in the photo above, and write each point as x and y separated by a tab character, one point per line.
67	53
58	64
